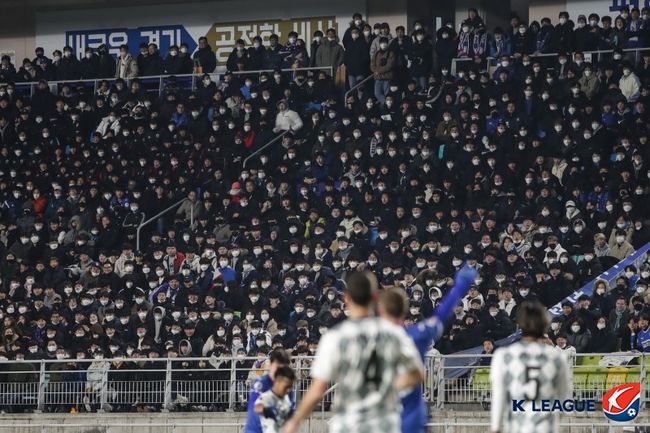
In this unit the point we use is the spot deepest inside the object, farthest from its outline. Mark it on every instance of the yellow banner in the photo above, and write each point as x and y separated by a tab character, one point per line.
222	36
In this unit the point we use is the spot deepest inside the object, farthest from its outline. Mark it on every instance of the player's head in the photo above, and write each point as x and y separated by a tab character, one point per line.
532	319
361	287
393	305
278	358
283	382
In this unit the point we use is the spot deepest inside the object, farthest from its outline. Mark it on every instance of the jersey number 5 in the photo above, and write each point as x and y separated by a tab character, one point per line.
531	387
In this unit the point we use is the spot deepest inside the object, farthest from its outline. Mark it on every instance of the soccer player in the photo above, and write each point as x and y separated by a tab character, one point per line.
392	306
274	406
528	370
370	360
278	358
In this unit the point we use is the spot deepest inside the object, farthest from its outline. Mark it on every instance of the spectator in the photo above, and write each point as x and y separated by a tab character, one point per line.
330	53
356	57
382	64
629	84
126	66
205	57
286	119
152	64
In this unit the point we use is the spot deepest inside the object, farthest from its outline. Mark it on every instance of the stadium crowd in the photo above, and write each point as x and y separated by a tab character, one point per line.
536	173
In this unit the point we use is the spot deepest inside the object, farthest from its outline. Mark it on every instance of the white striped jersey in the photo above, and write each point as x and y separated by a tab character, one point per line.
363	357
528	371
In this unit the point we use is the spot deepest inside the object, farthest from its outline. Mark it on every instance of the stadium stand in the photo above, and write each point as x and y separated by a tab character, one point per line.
534	171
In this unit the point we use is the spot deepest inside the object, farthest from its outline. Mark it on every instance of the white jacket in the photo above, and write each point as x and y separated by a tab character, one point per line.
630	87
106	124
287	120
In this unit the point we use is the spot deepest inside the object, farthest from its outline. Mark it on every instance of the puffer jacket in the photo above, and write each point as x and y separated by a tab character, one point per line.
382	65
589	85
330	53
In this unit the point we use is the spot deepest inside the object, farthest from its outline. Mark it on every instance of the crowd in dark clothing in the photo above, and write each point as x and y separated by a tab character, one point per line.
535	174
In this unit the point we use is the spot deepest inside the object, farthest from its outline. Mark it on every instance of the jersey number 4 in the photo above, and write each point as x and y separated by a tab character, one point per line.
372	372
531	387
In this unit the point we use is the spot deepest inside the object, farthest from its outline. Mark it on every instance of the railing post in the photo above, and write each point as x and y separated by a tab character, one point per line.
103	390
168	385
232	390
40	405
644	391
441	383
137	238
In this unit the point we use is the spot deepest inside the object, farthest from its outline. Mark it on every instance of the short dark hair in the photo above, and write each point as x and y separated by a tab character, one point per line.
532	319
280	356
286	372
394	303
360	287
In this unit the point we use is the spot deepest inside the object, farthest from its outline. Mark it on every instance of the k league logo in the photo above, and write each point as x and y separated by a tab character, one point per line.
621	403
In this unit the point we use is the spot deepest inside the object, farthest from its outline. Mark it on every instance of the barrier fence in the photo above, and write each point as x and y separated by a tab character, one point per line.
222	384
158	83
489	63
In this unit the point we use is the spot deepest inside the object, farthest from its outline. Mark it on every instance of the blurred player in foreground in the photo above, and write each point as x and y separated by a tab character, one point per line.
370	360
528	370
278	358
392	306
274	406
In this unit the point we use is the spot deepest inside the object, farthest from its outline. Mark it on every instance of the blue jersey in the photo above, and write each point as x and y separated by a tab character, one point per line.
641	340
424	334
260	386
414	409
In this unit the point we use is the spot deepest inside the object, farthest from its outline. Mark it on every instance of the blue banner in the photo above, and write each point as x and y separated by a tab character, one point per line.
163	36
618	4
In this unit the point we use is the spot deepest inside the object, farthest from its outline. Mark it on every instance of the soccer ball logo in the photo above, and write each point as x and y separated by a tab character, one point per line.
621	403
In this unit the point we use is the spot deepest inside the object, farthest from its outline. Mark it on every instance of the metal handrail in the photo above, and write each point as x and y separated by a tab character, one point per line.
163	76
306	68
536	54
356	86
153	218
276	138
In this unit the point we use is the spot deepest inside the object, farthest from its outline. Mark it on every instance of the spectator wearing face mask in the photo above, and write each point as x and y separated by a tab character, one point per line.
420	57
578	336
619	247
629	84
173	64
330	53
446	48
356	57
286	119
382	65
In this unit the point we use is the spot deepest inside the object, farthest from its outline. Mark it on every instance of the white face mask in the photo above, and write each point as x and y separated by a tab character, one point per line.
575	328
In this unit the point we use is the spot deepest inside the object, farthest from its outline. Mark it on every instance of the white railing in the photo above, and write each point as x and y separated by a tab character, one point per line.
217	384
593	56
149	82
591	376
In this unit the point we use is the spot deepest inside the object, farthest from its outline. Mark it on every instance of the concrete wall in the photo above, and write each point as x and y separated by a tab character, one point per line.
232	422
392	12
545	8
17	33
